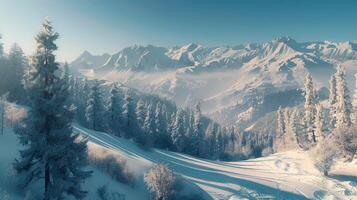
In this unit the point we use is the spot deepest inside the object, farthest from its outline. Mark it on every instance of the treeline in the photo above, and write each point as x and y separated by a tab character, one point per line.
13	67
329	129
148	119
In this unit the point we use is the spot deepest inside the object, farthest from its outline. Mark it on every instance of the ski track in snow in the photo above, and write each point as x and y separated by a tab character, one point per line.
288	175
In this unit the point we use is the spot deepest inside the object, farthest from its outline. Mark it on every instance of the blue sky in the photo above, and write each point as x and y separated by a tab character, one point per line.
109	25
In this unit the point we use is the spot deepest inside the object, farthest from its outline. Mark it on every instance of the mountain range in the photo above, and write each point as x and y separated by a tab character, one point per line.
229	80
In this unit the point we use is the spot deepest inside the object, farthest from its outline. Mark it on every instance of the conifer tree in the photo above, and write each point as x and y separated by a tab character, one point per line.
332	102
51	151
149	126
281	129
343	100
114	110
140	113
354	103
178	132
17	62
292	129
95	111
211	138
319	123
129	115
310	101
196	138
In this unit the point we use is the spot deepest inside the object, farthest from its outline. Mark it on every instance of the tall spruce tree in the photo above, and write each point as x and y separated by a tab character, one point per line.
281	126
310	101
343	100
17	62
332	102
319	123
114	110
128	114
354	103
51	150
140	113
196	138
292	129
94	111
149	126
178	132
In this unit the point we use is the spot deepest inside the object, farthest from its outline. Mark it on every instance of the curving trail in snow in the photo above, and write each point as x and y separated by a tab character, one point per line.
288	175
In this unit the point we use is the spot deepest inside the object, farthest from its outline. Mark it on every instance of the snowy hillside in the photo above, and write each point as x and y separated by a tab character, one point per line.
287	175
9	151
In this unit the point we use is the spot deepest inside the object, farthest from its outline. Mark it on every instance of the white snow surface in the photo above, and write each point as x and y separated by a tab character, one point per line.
287	175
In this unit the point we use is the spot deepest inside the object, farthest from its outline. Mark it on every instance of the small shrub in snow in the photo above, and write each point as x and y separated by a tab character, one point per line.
346	139
160	181
115	167
325	155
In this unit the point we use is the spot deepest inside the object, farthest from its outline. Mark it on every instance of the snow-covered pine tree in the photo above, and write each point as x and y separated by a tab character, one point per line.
129	117
140	113
355	103
149	126
210	137
158	119
332	102
281	127
292	129
310	101
220	140
287	124
51	150
17	61
95	110
160	125
114	110
65	75
81	90
178	132
232	138
343	103
196	138
319	123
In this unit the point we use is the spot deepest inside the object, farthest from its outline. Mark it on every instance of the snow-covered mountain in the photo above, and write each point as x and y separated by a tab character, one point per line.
88	61
229	76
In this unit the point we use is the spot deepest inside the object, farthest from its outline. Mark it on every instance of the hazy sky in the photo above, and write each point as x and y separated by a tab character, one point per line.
109	25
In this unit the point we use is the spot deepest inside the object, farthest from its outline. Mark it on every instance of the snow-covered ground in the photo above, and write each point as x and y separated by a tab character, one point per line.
288	175
8	152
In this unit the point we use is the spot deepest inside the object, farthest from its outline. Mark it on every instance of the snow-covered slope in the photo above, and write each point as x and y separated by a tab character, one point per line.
9	148
288	175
